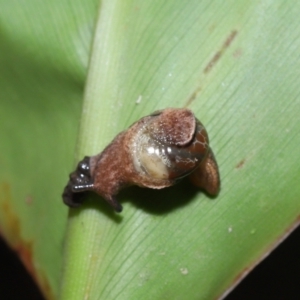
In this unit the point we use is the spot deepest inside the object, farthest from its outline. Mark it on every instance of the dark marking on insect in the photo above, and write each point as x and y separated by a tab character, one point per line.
155	152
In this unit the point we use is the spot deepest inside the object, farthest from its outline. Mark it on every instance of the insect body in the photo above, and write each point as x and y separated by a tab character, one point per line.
155	152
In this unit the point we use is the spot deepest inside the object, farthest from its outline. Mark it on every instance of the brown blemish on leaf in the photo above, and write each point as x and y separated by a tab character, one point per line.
29	200
9	220
193	96
240	164
212	28
238	53
218	55
25	252
211	64
11	231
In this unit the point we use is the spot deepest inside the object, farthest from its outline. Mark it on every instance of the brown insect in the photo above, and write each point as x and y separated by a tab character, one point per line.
155	152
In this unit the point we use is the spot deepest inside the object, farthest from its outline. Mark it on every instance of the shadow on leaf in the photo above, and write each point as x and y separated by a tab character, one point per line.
161	201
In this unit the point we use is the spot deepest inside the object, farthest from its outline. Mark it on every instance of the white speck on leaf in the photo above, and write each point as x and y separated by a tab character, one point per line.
139	99
184	271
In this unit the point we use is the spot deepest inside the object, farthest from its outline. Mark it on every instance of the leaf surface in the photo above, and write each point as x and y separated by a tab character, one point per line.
234	64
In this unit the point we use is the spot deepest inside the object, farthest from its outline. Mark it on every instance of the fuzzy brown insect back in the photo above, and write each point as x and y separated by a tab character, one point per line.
155	152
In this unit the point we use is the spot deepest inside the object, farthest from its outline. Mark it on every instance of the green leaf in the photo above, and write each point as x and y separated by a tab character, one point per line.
235	64
44	52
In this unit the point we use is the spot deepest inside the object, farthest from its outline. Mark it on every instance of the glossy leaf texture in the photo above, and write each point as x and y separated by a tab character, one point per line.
235	64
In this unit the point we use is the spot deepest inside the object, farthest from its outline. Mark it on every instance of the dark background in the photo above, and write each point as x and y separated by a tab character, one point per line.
277	277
